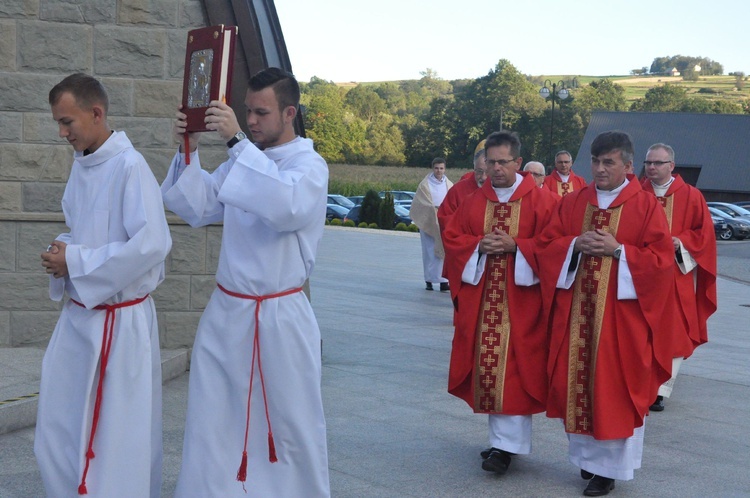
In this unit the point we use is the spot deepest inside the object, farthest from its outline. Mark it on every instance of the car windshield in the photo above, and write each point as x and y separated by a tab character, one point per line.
729	208
340	199
401	210
718	213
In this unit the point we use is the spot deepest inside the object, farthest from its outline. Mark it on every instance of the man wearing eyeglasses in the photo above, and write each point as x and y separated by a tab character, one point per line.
536	170
694	265
605	260
500	343
562	181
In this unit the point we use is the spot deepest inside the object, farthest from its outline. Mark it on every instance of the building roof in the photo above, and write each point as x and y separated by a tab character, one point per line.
717	144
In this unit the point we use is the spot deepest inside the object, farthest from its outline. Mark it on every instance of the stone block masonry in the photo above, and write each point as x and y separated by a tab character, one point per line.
137	49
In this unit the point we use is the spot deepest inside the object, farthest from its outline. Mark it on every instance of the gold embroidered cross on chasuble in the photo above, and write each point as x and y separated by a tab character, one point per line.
589	298
493	326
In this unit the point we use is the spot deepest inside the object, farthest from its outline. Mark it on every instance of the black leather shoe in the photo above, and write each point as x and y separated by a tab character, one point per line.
585	474
428	286
658	405
485	453
444	287
599	486
497	461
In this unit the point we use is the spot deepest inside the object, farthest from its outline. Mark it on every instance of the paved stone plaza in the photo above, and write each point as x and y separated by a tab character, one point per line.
393	430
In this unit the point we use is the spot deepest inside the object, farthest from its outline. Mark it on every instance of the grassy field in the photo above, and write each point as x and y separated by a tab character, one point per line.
709	87
349	179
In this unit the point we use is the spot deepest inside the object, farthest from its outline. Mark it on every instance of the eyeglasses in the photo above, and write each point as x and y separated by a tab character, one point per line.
655	163
538	175
501	162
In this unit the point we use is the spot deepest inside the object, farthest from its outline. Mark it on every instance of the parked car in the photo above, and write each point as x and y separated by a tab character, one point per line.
732	210
721	228
402	215
400	197
334	211
356	199
740	228
340	200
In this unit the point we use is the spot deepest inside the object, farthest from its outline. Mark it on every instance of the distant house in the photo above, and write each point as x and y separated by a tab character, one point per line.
712	151
674	72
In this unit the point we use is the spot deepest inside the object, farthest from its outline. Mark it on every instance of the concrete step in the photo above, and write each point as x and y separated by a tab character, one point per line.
19	389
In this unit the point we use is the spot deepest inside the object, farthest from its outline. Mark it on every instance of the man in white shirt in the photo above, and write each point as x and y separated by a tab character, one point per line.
255	398
100	392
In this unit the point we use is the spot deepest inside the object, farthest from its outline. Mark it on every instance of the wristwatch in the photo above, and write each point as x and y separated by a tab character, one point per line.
235	139
617	252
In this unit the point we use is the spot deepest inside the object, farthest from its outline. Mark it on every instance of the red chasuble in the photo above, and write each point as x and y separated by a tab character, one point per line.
457	193
690	221
608	357
561	188
500	341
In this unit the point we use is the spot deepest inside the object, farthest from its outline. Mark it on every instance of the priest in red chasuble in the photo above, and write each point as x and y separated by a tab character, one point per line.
694	263
562	180
606	263
500	342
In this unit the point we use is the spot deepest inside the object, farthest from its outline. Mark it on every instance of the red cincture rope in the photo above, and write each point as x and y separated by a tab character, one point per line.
242	472
109	328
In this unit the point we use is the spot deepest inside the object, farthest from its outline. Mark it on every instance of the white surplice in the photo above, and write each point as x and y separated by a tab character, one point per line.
117	243
272	203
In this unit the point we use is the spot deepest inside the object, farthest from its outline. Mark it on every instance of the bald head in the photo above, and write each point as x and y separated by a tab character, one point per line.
536	169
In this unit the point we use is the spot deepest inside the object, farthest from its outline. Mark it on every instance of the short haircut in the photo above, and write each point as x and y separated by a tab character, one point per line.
284	85
86	89
438	160
534	165
610	141
560	153
505	137
480	154
670	150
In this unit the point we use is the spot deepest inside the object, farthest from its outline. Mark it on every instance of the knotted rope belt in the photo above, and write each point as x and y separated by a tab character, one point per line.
107	333
242	472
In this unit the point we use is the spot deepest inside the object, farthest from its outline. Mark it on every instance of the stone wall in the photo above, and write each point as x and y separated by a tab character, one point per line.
137	49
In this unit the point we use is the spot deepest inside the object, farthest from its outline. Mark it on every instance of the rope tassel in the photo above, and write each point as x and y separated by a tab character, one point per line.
242	472
256	357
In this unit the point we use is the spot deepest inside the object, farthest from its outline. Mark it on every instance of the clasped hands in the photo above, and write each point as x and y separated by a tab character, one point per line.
596	243
497	242
53	260
219	118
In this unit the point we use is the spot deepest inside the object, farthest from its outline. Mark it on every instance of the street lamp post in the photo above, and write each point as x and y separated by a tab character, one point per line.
562	93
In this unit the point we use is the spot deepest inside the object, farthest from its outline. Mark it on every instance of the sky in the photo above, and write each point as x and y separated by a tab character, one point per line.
387	40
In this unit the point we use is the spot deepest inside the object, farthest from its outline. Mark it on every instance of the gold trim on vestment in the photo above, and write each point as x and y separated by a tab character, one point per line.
586	318
493	325
668	204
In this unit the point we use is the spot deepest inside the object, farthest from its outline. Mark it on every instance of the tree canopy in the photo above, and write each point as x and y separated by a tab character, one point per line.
411	122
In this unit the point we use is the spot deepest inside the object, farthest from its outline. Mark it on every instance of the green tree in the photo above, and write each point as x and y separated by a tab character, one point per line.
664	98
365	102
324	119
600	95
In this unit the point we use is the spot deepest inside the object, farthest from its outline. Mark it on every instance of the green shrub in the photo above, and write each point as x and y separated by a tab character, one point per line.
386	212
370	206
362	224
413	228
336	222
372	225
401	227
348	223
